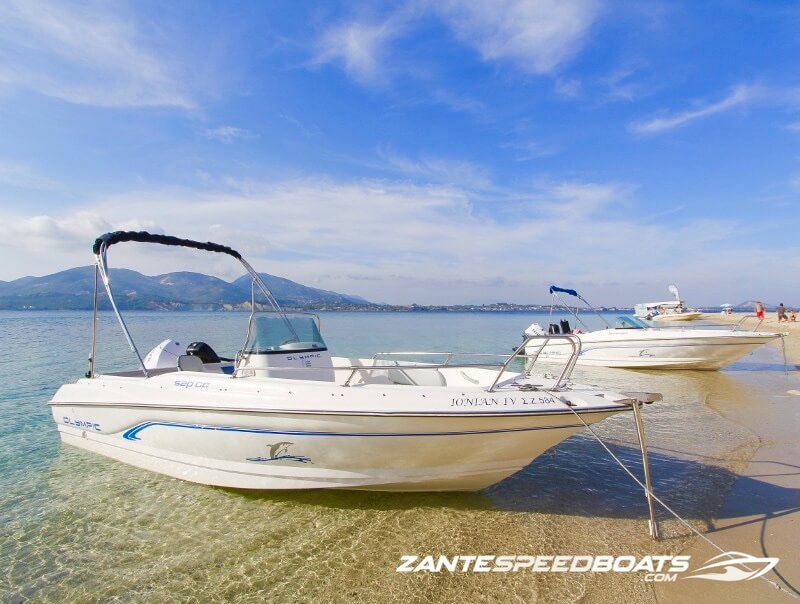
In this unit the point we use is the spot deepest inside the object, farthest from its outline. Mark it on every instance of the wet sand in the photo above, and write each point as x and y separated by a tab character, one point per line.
770	484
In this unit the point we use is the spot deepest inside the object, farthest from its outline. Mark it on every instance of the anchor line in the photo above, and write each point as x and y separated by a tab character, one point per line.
669	509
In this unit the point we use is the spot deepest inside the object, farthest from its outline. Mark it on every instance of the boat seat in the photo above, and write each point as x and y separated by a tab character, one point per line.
417	377
188	362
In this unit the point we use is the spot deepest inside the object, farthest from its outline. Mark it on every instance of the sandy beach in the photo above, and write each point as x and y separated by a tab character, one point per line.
769	484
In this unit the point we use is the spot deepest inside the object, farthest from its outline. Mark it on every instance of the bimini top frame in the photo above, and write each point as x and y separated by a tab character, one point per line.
100	250
554	290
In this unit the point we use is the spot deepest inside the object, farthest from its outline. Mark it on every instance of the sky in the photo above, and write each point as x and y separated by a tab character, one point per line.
419	151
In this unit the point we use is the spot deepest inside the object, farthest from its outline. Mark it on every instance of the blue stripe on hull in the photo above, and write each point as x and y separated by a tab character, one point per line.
132	433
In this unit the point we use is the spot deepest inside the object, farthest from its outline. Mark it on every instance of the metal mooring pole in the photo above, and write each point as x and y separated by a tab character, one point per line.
646	463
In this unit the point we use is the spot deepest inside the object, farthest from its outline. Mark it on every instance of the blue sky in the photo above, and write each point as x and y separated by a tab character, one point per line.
431	152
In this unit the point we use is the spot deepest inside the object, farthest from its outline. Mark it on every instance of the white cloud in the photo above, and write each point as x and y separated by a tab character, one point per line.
46	234
360	47
793	127
459	104
620	83
18	174
528	150
537	36
580	201
305	130
738	97
84	54
569	88
462	173
227	134
400	242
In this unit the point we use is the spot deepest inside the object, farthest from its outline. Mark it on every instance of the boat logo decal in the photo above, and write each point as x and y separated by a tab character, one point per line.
280	451
82	423
303	357
190	384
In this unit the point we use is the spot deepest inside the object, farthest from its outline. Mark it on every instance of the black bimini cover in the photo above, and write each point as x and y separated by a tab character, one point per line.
144	237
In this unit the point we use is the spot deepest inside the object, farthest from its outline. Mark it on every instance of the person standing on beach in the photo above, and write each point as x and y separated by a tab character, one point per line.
759	310
782	313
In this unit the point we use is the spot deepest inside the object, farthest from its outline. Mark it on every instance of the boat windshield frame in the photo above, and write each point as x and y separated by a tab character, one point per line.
293	330
631	322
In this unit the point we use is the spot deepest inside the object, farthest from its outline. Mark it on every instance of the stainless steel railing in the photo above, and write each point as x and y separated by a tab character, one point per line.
744	318
519	353
574	341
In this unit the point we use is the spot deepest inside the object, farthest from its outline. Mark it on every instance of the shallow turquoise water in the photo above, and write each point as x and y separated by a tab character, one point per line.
78	527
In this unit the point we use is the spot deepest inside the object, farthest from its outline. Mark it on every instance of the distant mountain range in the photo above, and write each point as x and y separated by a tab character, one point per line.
73	289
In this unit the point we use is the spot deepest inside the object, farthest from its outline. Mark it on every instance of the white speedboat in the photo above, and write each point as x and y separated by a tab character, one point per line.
633	344
667	310
287	415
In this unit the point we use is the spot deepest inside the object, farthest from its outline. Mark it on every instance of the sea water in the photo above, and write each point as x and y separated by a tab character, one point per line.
78	527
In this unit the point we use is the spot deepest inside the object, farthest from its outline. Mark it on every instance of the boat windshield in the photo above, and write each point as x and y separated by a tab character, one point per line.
278	332
628	322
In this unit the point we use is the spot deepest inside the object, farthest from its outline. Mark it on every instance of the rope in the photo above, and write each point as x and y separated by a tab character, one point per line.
669	509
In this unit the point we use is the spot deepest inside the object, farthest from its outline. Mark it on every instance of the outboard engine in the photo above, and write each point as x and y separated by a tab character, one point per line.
204	351
534	329
565	328
554	328
164	356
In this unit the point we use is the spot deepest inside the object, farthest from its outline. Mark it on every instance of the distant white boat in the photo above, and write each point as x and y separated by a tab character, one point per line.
633	344
668	310
287	415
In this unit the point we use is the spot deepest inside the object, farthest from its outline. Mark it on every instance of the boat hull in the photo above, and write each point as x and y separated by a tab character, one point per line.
439	445
659	349
678	316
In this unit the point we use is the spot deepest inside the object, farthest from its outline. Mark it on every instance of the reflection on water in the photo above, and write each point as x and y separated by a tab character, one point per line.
78	527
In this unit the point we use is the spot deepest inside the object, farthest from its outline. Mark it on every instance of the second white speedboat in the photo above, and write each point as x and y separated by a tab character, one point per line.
668	310
633	344
287	415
